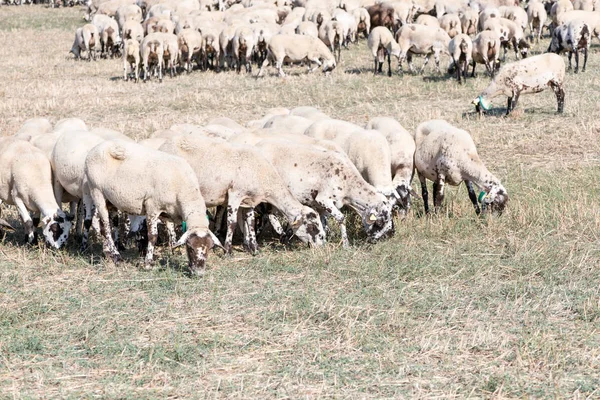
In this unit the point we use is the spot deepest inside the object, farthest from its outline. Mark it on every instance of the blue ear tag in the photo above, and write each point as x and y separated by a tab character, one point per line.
183	226
481	196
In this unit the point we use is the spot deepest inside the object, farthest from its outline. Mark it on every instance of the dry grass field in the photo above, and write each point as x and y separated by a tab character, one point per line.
453	306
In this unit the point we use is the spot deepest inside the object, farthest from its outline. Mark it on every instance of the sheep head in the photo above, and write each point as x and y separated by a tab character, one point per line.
378	222
494	199
198	243
56	229
307	226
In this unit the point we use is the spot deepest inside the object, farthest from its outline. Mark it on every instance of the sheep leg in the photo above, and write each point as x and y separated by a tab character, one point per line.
316	61
250	242
264	64
171	232
473	196
473	72
125	76
424	64
274	221
560	95
376	70
389	59
424	193
457	66
108	245
340	218
411	67
26	218
232	209
509	105
152	225
585	57
88	210
438	192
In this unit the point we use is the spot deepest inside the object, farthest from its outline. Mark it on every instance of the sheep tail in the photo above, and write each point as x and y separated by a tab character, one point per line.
117	152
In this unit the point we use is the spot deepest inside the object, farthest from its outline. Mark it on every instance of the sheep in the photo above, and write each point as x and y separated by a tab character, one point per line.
348	25
509	32
259	123
243	46
131	58
298	48
469	20
26	182
558	10
536	18
327	181
447	155
367	149
591	19
288	123
246	182
451	24
108	30
332	34
190	47
531	75
228	123
307	112
133	30
363	22
382	45
486	50
210	48
461	51
165	26
572	37
166	185
128	12
256	136
402	151
383	14
428	20
86	39
307	28
152	52
516	14
420	39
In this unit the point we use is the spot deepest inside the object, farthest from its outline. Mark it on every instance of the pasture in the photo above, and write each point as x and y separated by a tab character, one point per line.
453	306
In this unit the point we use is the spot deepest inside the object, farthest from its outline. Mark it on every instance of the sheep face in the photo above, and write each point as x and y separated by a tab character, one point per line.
198	243
328	66
378	222
494	200
56	229
307	226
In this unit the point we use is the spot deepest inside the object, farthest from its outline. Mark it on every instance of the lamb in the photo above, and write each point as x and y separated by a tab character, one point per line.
420	39
531	75
382	45
368	150
86	39
298	48
249	181
190	47
461	51
402	152
363	20
113	173
536	18
131	58
447	155
486	50
572	37
327	181
26	177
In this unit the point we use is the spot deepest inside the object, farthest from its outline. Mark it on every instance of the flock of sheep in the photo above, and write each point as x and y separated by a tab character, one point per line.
298	166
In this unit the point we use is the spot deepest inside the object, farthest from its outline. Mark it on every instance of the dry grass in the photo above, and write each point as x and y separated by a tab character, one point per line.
451	307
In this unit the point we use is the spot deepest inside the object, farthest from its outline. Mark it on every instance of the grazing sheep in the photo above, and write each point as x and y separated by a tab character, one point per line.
190	48
531	75
247	181
461	51
420	39
133	30
256	136
363	22
298	48
307	112
131	58
243	47
228	123
307	28
128	12
509	32
86	39
327	181
383	14
26	182
382	45
33	127
332	34
427	20
486	50
536	18
292	124
469	20
152	51
402	152
572	37
110	41
447	155
142	181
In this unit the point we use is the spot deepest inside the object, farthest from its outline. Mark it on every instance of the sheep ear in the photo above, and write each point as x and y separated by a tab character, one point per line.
215	239
6	225
297	220
414	194
182	239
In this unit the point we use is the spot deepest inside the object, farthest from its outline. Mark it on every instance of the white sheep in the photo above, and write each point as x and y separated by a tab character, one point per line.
382	44
332	34
327	181
451	24
131	59
447	155
307	112
298	48
243	45
363	20
307	28
133	30
152	51
26	182
108	29
486	50
142	181
469	20
292	124
536	18
86	39
33	127
190	47
247	181
531	75
572	37
509	32
461	51
421	39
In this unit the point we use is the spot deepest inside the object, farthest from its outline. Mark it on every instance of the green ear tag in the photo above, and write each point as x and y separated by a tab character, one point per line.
481	196
183	226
